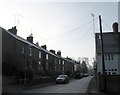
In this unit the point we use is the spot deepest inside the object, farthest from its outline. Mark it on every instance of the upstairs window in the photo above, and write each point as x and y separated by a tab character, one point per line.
22	50
47	56
39	54
105	56
59	62
109	57
63	62
30	54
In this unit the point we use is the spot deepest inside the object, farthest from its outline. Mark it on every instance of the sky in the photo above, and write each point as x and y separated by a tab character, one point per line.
64	25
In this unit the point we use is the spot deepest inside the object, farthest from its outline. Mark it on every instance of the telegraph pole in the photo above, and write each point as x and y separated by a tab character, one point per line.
102	56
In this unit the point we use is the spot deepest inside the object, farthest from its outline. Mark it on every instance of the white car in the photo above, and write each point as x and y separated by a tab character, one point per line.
62	79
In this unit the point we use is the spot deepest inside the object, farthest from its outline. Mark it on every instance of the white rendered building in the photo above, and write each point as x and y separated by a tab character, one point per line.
111	44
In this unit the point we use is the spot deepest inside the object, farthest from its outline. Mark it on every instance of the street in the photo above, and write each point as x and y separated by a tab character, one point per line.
74	86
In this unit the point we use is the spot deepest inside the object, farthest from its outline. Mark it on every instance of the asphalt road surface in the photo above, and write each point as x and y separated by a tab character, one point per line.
74	86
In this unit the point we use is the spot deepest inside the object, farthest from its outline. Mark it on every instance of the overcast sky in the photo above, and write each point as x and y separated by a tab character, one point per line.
65	26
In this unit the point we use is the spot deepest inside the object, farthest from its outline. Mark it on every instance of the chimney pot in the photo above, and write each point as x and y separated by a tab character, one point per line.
13	30
30	38
53	51
44	46
115	27
59	52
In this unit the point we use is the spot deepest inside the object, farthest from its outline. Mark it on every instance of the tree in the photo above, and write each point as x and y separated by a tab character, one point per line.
79	59
84	67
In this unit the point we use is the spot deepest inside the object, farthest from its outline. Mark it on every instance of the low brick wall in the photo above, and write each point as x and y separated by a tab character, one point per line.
36	81
112	83
42	80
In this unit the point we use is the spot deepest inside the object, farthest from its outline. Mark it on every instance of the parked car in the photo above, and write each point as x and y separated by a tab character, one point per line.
85	75
62	79
78	75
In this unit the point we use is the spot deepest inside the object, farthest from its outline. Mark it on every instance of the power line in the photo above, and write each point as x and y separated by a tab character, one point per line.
83	37
73	30
106	24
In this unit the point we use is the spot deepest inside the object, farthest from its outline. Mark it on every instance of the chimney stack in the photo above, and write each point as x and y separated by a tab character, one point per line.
13	30
59	53
115	27
53	51
44	46
30	38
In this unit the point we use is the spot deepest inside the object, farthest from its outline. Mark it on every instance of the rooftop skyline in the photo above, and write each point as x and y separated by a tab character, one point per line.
65	26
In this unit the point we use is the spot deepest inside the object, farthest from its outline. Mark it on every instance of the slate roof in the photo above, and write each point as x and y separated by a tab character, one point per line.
34	45
111	42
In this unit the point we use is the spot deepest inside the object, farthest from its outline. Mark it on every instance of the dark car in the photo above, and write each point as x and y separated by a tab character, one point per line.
78	75
62	79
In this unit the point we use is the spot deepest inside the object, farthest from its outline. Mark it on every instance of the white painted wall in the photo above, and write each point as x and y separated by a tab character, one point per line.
109	64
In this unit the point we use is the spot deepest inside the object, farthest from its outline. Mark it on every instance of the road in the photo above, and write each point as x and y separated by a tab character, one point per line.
74	86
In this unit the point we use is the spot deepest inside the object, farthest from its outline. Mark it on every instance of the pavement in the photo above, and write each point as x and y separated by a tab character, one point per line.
93	88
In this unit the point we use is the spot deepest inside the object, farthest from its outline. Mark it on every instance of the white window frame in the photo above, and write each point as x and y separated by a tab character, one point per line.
30	53
47	56
39	54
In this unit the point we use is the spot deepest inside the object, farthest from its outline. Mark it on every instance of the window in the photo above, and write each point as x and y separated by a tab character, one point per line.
30	54
63	62
109	73
59	62
105	56
114	73
39	54
47	56
39	65
23	50
109	57
63	69
46	65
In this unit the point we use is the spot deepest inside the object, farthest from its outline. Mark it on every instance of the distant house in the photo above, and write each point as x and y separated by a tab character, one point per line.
111	43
